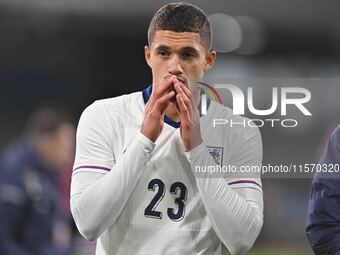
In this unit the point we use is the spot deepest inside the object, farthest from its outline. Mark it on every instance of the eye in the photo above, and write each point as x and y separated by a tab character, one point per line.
188	55
163	53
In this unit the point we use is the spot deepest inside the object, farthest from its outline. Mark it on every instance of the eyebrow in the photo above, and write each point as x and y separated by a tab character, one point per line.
187	48
162	47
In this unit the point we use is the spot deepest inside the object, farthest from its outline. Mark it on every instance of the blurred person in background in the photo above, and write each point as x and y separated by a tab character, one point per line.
323	219
31	220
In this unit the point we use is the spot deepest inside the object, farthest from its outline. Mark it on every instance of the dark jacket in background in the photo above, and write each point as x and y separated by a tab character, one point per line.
323	219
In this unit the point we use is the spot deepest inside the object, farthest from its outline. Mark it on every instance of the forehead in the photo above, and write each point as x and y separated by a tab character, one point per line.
177	40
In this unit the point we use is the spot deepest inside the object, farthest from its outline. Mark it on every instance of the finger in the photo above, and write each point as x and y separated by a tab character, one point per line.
177	105
160	90
165	105
163	101
147	106
184	97
191	105
189	95
183	108
185	89
165	86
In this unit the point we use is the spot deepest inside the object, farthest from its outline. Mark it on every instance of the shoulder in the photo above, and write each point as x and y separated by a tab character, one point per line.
110	110
103	122
113	105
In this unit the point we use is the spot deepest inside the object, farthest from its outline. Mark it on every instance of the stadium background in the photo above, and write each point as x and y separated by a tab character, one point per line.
77	51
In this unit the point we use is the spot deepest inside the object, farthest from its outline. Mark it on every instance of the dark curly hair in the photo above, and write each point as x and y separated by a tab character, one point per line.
181	17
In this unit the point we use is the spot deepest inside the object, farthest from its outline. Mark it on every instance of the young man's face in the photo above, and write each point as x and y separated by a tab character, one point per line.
178	53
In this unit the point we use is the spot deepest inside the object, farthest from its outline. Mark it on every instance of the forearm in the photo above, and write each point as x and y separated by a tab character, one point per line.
236	220
98	199
236	217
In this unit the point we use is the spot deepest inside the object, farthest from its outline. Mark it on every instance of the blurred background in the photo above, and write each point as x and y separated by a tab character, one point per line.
74	52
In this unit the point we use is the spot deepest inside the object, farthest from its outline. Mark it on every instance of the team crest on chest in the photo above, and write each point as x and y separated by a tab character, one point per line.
216	153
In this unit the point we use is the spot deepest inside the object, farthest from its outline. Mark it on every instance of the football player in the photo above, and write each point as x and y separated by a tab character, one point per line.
135	186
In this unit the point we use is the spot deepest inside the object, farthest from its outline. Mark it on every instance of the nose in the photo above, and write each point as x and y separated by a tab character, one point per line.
175	67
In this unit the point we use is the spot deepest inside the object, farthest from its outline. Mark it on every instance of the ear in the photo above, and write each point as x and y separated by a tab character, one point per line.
210	60
147	53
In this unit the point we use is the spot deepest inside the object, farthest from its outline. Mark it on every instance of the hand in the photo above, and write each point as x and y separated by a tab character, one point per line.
153	121
190	122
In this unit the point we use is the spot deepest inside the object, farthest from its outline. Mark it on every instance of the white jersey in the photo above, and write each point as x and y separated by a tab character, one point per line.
163	212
